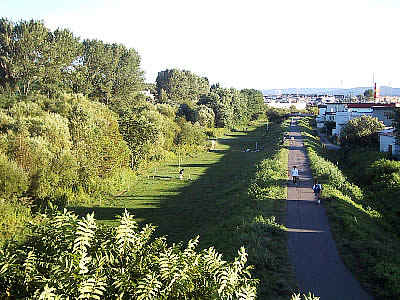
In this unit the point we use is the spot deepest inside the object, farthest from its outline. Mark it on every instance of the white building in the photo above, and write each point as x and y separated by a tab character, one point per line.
298	105
352	112
387	142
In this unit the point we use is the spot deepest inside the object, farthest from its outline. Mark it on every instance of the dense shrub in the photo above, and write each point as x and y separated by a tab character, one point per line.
67	257
13	179
361	131
277	115
58	146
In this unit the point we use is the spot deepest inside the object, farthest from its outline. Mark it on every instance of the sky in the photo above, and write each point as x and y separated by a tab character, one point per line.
261	44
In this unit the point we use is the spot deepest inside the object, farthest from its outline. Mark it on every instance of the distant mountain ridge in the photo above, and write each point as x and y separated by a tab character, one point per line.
384	90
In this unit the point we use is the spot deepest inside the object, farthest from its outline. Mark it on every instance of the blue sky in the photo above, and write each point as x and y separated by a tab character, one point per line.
243	44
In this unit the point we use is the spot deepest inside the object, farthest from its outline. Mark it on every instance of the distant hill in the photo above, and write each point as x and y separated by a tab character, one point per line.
385	91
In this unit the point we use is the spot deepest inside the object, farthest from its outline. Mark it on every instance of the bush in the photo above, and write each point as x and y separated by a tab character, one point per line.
65	257
13	179
362	131
190	134
14	217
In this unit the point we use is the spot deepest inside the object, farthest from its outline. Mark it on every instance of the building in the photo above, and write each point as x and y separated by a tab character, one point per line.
384	114
387	142
351	111
342	113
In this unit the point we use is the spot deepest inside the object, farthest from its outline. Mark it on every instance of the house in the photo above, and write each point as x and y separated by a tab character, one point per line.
351	111
387	142
342	113
320	119
384	114
327	113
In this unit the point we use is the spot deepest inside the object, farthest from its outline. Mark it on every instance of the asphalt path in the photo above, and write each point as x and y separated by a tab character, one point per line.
312	250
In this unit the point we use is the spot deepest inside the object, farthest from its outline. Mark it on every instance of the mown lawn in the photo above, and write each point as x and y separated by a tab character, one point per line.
214	201
180	208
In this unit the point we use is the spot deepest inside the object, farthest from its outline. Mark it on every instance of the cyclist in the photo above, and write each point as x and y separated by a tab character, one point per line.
317	188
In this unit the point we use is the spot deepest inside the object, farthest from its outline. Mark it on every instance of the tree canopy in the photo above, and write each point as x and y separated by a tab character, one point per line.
35	59
361	131
181	85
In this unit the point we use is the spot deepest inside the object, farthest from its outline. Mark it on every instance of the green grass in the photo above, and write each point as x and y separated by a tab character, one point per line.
228	197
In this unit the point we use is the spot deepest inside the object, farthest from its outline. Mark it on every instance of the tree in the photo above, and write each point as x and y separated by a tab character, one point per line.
8	77
181	85
24	53
140	134
34	58
163	97
369	94
110	70
255	103
313	110
63	53
361	131
277	115
329	125
204	115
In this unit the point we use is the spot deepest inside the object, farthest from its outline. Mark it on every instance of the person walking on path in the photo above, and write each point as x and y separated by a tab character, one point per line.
295	174
317	188
317	264
181	174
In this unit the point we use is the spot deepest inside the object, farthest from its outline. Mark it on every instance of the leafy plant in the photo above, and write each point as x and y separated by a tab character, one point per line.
66	257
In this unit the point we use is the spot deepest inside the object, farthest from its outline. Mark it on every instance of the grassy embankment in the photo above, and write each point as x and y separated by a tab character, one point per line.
365	237
228	197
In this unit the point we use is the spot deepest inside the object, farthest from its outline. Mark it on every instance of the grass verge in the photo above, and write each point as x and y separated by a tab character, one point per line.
362	234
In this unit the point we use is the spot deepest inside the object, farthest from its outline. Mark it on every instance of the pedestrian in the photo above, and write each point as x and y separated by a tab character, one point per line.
181	174
291	140
295	174
317	188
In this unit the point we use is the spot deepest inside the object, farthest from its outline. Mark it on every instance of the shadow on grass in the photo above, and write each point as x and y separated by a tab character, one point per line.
217	207
187	208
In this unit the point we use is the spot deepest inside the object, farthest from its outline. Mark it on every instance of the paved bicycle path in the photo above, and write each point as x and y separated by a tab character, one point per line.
312	250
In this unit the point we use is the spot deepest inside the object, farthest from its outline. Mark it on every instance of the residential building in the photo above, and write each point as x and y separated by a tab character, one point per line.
342	113
387	142
384	114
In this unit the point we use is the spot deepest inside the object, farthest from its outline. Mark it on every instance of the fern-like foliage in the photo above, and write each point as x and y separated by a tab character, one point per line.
49	294
148	287
305	297
68	258
126	232
93	288
84	234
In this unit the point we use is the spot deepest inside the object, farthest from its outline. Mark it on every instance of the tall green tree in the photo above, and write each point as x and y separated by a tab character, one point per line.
110	70
181	85
34	58
64	52
25	48
140	134
255	103
8	76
